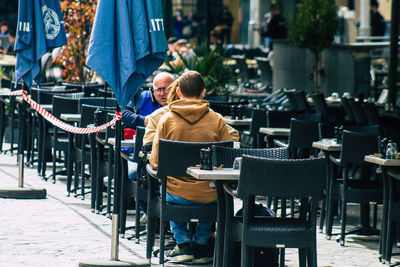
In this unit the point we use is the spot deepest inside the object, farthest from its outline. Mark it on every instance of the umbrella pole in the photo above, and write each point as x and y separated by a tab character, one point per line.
117	190
115	215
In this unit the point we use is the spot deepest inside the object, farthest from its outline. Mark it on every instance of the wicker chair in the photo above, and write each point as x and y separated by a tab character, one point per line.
302	179
173	160
131	186
354	186
232	233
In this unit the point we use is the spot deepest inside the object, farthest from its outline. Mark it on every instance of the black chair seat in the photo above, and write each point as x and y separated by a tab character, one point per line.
187	213
287	231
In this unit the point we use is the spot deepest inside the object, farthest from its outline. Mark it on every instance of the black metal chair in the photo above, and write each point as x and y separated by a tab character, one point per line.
132	187
393	214
258	119
359	115
301	100
302	135
302	179
173	160
59	138
350	117
371	112
266	70
232	233
279	119
357	183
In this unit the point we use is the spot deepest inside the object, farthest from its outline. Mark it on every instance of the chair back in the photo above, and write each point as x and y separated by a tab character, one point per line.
301	101
63	104
359	115
310	117
292	99
320	104
140	131
110	132
347	109
225	108
371	112
98	101
281	178
363	129
266	70
87	115
281	119
175	157
258	119
225	156
326	130
302	135
356	146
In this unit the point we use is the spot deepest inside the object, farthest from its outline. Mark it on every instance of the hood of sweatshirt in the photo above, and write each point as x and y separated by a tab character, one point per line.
190	110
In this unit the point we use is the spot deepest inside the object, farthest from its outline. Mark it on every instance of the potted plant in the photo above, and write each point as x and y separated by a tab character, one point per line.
210	64
78	21
314	27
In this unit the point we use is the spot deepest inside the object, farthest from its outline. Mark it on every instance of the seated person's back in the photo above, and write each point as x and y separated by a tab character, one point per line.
191	120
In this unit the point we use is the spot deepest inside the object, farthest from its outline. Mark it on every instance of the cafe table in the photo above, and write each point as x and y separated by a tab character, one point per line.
238	122
71	117
217	178
328	146
385	165
272	133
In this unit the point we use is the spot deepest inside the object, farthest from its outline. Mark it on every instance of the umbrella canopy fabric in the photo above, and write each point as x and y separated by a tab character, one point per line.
40	28
127	44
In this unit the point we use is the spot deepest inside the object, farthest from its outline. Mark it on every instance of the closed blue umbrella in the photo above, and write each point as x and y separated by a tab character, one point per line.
40	28
127	44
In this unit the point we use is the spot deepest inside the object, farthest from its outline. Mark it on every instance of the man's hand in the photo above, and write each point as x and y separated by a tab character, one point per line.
146	121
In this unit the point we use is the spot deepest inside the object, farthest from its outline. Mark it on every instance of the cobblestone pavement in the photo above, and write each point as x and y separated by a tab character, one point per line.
62	231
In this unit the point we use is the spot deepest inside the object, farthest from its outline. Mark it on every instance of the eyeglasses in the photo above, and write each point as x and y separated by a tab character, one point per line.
165	90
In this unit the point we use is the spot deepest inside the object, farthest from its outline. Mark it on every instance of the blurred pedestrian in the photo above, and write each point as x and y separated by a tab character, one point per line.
274	26
226	21
378	24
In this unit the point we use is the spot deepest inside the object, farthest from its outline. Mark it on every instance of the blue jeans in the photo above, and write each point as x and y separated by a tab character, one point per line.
179	229
132	175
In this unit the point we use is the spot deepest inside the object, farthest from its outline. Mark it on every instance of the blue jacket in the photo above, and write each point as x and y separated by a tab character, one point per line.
132	119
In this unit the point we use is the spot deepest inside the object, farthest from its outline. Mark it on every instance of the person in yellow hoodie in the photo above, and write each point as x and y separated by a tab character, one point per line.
190	119
154	118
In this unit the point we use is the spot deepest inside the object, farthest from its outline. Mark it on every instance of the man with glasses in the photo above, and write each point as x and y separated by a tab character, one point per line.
151	100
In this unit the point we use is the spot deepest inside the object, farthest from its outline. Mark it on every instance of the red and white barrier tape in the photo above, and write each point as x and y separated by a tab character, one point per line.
65	126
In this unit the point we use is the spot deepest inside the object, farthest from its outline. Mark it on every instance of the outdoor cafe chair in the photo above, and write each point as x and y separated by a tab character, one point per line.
350	116
303	179
301	101
132	187
371	112
44	148
357	182
393	213
258	119
302	135
279	119
173	159
10	119
225	156
59	138
359	115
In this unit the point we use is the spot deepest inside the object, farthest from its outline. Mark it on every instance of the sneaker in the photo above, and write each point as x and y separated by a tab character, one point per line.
203	253
143	219
181	253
